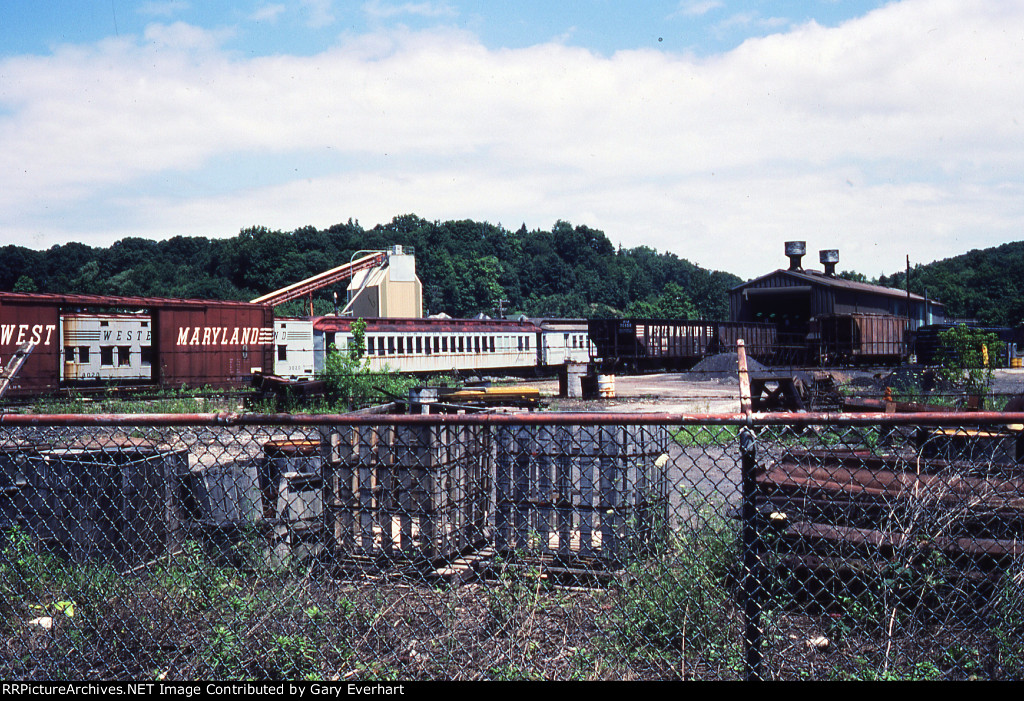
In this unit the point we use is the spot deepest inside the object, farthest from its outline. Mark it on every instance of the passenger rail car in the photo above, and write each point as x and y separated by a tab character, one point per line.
563	341
434	345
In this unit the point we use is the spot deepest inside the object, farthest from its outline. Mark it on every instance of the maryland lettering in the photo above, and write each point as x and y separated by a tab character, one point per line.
223	336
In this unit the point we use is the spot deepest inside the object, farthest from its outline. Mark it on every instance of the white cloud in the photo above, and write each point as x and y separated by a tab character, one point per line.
697	8
378	9
185	37
162	9
320	12
267	13
895	133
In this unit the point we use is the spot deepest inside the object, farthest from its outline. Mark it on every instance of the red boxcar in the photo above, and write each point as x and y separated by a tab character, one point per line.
194	342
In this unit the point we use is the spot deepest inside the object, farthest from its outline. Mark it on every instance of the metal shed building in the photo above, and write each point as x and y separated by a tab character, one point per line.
792	298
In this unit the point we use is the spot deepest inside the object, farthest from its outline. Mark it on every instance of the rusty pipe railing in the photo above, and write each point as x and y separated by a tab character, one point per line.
976	418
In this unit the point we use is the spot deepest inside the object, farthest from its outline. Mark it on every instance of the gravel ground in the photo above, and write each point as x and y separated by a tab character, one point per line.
699	393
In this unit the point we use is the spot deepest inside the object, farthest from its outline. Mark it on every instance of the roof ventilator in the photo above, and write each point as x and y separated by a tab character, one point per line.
795	250
829	258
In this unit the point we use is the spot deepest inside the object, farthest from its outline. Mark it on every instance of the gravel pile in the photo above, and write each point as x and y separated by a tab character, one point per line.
724	366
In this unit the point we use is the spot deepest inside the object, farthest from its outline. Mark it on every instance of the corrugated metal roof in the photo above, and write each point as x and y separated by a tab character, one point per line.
815	277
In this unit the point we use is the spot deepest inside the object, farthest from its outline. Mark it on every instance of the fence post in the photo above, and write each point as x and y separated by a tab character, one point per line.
753	570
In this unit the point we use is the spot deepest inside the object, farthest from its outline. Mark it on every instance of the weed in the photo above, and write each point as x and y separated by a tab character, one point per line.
866	670
516	593
182	400
224	654
705	435
290	657
1009	625
508	672
680	600
24	572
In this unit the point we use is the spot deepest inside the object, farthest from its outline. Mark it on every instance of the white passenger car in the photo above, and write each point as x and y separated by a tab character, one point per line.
564	341
434	345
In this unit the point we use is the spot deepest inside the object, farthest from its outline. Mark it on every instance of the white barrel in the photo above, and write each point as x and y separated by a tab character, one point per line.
606	386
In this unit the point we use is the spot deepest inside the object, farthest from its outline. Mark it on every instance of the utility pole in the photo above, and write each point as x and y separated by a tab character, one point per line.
908	293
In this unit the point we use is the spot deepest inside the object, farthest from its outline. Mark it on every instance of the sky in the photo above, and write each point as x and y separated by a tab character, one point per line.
716	130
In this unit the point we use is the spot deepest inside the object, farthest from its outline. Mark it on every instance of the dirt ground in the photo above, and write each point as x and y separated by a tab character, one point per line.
663	392
681	392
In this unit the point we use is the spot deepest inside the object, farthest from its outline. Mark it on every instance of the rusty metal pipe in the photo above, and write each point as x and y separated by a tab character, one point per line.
519	419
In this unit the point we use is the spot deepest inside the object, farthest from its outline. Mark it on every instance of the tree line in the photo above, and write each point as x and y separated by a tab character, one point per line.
467	268
985	285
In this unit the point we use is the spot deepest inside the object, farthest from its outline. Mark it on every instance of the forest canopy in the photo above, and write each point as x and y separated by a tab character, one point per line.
466	267
469	267
984	285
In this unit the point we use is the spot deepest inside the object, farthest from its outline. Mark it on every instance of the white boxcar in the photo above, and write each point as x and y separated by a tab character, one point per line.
106	347
293	348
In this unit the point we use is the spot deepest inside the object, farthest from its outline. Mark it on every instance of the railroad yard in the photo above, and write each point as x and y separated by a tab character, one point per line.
686	392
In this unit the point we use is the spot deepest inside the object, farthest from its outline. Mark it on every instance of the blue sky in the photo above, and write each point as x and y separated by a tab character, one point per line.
306	28
713	129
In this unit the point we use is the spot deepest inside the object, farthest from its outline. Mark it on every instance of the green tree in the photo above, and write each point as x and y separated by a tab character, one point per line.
25	284
350	379
967	357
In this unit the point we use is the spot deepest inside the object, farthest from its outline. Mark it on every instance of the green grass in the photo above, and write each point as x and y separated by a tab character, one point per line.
168	401
706	435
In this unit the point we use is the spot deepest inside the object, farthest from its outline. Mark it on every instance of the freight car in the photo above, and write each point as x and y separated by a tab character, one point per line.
81	340
84	340
107	347
857	339
926	343
627	345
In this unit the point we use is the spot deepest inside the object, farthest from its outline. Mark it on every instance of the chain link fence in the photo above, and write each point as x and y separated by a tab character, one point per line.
498	546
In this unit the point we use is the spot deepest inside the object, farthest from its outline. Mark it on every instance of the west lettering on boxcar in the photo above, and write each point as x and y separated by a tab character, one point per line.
38	334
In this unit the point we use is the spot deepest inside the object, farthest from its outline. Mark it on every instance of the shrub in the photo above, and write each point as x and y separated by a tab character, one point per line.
681	599
967	357
350	379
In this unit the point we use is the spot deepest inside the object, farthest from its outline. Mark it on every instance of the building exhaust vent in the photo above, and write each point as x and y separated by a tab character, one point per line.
829	259
795	250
